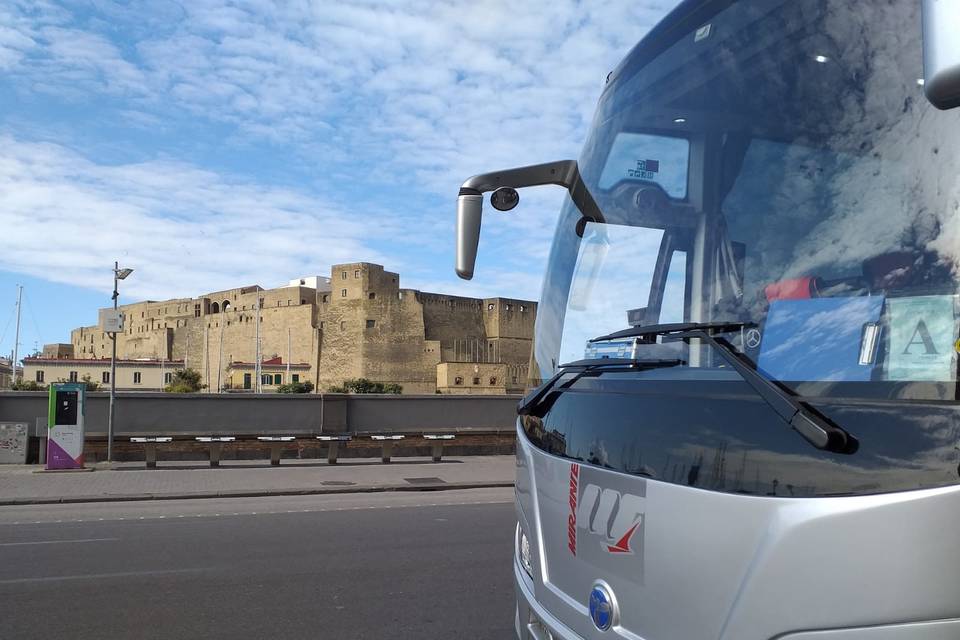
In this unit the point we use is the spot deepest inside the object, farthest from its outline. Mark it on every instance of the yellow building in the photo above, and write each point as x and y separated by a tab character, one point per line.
357	323
241	376
132	375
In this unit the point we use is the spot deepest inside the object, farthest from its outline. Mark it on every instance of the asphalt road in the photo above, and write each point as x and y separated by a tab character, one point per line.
411	565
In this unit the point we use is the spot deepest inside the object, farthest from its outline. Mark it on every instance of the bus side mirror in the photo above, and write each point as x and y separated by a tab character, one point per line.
941	53
469	215
504	184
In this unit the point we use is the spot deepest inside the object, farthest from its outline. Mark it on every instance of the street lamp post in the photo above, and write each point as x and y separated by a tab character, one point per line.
118	274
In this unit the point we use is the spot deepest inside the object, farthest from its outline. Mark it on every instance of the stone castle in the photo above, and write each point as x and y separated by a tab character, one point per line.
358	323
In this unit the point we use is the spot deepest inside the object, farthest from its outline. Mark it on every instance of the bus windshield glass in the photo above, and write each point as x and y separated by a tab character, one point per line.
777	165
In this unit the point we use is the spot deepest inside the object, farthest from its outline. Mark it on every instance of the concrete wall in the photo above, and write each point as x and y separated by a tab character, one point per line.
207	414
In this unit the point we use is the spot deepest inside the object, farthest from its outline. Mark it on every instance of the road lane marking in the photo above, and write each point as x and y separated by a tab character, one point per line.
322	509
19	544
100	576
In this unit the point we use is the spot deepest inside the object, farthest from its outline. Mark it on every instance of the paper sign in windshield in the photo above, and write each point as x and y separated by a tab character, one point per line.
645	170
922	335
817	339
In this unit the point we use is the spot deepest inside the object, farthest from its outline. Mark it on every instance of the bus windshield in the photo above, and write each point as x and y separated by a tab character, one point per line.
777	165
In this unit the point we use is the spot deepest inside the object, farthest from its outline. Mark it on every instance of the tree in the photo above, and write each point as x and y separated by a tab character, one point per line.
184	381
296	387
363	385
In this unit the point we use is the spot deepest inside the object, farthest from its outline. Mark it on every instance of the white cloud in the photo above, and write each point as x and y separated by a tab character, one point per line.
423	92
184	229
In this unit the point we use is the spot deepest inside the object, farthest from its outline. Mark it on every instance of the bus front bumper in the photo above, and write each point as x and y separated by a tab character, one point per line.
531	620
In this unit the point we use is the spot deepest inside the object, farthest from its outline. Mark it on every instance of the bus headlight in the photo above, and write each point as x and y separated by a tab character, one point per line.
523	550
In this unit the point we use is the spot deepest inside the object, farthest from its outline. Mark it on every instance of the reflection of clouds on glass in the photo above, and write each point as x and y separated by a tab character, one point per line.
638	156
817	339
613	274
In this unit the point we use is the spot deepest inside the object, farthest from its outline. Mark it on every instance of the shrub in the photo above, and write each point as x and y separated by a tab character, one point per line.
363	385
296	387
184	381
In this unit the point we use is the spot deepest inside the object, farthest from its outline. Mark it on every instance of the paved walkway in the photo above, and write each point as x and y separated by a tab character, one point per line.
20	484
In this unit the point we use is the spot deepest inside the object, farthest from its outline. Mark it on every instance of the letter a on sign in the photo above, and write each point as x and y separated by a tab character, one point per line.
922	332
921	336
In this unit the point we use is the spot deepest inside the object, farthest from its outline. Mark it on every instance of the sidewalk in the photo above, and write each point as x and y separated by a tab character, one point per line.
19	484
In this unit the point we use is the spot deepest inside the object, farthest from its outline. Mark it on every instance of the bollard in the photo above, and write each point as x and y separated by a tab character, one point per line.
150	448
333	446
150	452
276	446
215	447
386	446
436	444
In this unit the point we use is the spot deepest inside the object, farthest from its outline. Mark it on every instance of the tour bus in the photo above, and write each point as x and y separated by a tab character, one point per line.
743	421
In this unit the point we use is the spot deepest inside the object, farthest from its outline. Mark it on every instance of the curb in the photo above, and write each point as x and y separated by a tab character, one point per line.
258	493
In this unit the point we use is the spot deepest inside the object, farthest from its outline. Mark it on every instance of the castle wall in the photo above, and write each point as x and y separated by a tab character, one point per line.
364	325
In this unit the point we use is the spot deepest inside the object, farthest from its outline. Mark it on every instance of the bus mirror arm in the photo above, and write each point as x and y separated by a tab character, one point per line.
564	173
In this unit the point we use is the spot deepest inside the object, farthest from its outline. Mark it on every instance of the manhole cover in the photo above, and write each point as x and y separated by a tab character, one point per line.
431	480
337	483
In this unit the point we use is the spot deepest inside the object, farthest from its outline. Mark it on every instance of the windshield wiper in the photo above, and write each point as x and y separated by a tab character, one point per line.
816	428
539	401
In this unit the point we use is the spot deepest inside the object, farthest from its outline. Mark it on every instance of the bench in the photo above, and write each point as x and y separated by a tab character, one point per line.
333	446
150	448
386	448
276	445
215	446
436	444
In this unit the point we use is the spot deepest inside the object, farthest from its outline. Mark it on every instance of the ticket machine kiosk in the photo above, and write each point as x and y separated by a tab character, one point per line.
65	419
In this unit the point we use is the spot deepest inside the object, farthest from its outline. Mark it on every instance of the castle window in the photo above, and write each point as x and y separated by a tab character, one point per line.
493	381
196	311
326	298
343	293
476	381
343	275
490	307
523	308
214	308
343	325
136	377
105	377
371	324
356	273
458	380
302	301
509	307
372	296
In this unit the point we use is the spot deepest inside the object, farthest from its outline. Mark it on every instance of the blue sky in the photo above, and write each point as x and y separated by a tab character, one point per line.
210	145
